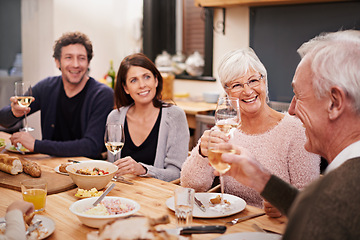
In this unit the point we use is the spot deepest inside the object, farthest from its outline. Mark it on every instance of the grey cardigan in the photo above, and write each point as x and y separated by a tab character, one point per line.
172	146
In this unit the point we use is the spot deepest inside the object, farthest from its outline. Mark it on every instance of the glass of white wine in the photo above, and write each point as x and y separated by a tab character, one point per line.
114	138
24	98
227	114
215	151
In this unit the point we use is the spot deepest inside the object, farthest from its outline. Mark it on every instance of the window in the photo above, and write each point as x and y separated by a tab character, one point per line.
159	31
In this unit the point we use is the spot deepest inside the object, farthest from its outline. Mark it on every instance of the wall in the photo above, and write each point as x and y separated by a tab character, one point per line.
112	26
10	41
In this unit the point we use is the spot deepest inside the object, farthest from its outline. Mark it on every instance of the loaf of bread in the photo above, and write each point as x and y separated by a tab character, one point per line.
31	168
10	164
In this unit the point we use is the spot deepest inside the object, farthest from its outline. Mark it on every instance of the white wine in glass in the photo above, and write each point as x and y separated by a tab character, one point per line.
227	114
114	138
215	152
24	98
214	156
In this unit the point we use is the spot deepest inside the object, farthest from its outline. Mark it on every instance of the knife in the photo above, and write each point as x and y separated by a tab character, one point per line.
200	204
32	227
196	230
240	219
74	161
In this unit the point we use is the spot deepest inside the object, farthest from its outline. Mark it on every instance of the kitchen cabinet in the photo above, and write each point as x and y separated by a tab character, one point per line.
231	3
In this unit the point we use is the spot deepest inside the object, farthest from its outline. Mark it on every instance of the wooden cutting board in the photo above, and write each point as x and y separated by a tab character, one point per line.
56	182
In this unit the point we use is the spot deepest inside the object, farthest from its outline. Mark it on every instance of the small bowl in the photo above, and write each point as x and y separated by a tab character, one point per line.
88	182
96	221
211	97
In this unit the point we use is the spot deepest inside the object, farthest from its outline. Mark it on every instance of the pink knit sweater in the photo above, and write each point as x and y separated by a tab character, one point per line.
280	150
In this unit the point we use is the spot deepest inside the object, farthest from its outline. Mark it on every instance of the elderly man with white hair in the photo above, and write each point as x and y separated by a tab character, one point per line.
327	101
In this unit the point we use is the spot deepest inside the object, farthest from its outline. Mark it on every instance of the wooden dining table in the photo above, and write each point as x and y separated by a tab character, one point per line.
150	193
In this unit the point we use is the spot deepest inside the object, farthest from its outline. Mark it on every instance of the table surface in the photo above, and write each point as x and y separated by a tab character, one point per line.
150	193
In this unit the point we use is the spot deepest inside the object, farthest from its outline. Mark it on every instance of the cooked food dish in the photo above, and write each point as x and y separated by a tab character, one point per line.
82	193
95	171
29	218
2	142
10	164
12	148
40	233
217	200
62	167
109	207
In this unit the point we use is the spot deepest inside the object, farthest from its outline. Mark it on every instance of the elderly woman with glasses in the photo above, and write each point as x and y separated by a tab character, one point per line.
275	138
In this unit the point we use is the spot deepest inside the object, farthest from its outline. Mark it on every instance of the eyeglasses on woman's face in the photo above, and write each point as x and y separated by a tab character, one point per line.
237	86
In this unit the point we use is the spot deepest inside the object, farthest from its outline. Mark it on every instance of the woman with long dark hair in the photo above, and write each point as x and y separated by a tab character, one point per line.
156	133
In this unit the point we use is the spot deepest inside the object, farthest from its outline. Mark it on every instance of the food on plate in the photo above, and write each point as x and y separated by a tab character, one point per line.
31	168
62	167
109	207
10	164
134	227
28	218
22	148
2	142
38	233
82	193
217	200
95	171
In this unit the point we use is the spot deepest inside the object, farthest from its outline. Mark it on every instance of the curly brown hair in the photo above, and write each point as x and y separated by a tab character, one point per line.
73	38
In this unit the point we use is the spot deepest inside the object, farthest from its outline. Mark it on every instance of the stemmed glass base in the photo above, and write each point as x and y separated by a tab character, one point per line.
27	129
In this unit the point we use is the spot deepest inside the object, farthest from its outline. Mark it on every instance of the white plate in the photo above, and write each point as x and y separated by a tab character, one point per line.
250	236
47	227
236	205
56	169
9	148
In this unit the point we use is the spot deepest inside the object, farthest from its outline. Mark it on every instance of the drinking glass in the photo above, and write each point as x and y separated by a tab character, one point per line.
24	98
227	114
184	205
114	138
215	151
35	191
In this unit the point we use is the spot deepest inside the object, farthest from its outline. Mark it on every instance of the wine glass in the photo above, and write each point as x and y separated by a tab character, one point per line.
24	98
114	138
215	151
227	114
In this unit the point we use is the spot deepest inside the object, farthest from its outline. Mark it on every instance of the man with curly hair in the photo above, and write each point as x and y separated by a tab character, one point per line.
74	106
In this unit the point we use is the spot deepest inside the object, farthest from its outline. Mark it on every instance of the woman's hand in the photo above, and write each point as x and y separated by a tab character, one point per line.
215	138
128	165
271	211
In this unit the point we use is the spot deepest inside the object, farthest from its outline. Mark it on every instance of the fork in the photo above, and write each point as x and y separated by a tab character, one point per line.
121	179
240	219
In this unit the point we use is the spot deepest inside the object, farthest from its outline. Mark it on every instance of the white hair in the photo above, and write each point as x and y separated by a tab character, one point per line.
237	63
335	61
